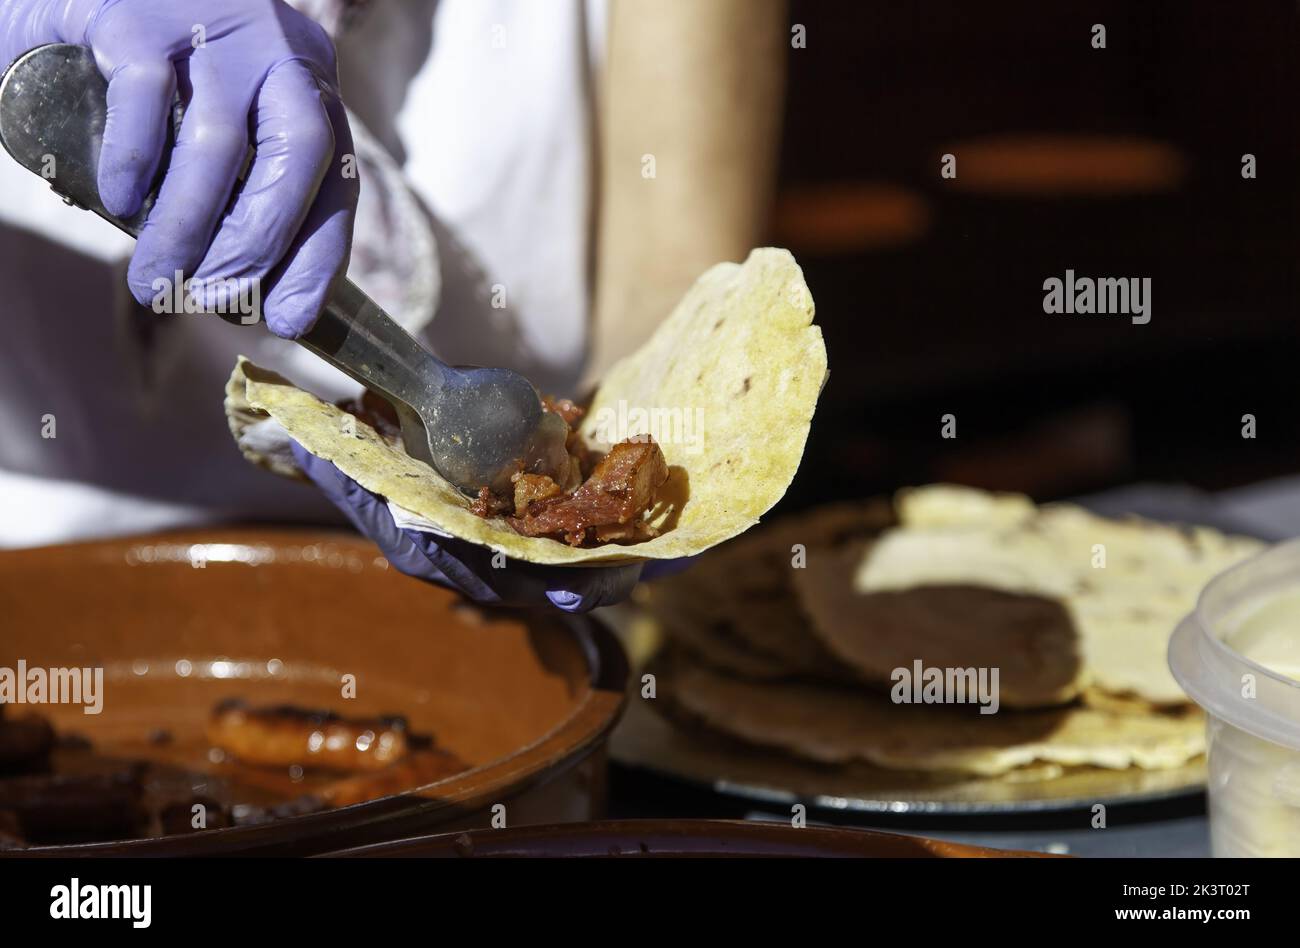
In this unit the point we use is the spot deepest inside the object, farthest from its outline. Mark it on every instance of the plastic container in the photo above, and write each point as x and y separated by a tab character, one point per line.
1237	655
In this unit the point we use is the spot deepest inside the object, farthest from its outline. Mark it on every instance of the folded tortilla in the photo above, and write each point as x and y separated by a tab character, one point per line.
1125	584
1030	639
840	726
736	607
727	385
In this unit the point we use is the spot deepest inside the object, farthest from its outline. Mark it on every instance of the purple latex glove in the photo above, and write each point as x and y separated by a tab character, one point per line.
250	72
467	567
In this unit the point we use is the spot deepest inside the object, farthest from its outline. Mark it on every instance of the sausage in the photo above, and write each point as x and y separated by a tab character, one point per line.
286	735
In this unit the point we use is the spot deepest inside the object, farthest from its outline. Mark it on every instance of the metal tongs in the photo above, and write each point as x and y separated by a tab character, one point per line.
475	426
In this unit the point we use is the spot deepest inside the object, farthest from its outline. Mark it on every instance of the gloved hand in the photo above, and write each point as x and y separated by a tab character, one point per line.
468	567
250	72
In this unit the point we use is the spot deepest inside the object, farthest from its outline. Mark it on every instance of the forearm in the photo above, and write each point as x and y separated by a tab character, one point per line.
696	88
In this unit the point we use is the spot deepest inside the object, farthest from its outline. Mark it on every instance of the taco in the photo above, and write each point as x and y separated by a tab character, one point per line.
725	388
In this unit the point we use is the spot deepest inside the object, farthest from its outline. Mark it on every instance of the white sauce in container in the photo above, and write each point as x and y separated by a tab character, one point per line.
1238	656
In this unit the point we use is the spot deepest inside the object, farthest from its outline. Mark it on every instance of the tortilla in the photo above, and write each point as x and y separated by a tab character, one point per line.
736	607
1031	640
840	726
715	647
727	385
1125	583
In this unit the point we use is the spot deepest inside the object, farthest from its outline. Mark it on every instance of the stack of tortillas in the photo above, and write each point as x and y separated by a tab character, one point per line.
796	636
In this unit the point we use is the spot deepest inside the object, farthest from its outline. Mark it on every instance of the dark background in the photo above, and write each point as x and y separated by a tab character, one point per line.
950	318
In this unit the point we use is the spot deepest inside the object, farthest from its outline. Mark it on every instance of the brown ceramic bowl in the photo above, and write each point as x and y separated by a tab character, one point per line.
697	838
180	621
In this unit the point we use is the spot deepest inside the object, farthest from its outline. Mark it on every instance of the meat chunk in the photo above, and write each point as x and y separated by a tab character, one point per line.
377	413
532	487
566	409
620	490
489	505
591	500
581	462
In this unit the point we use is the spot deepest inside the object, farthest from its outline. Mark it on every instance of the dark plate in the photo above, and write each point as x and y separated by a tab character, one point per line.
673	838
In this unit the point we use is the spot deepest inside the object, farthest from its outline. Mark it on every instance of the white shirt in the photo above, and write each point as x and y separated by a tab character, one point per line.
473	120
